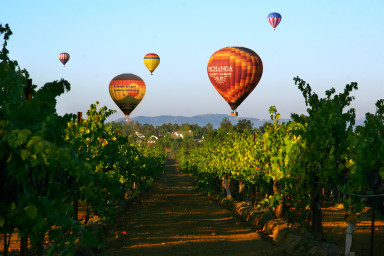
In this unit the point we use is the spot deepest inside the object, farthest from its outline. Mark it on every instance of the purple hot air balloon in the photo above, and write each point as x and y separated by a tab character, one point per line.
274	19
64	57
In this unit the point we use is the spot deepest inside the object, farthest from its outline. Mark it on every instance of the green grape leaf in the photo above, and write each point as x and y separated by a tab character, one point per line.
381	172
24	153
18	137
31	211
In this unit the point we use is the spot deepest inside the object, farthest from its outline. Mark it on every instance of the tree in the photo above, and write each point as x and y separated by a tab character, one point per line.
165	141
197	131
175	127
124	128
164	129
245	125
225	124
148	130
208	127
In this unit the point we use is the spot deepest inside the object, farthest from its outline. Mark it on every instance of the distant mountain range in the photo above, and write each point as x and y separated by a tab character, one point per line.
202	120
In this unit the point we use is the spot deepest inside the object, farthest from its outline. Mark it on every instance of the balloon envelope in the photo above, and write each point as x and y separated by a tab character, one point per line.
64	57
127	90
274	19
235	72
151	61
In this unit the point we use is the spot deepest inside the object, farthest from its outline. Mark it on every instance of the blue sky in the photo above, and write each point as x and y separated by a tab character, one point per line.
326	43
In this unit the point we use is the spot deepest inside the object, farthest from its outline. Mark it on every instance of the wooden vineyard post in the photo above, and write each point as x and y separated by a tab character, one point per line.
76	200
28	90
79	117
24	246
27	97
372	231
253	186
37	247
87	214
317	228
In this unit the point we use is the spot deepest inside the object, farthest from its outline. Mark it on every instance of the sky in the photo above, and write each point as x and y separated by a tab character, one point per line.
327	43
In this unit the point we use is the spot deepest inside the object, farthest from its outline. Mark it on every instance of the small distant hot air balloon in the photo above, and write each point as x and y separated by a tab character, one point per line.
274	19
127	90
64	57
151	61
235	72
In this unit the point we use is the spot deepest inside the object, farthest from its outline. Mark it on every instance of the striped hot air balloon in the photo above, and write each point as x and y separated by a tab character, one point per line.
127	90
235	72
274	19
64	57
151	61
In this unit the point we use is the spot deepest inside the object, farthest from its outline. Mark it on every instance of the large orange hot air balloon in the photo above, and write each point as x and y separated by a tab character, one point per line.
235	72
127	90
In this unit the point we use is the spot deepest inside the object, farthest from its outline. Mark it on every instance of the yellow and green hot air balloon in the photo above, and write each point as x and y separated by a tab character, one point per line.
127	90
151	61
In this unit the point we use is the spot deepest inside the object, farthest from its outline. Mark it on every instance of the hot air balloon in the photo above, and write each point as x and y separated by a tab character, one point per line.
234	72
127	90
64	57
274	19
151	61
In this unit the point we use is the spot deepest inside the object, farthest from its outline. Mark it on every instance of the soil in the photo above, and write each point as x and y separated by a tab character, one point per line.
335	228
178	220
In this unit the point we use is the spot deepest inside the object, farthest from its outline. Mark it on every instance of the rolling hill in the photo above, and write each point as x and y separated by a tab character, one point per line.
201	120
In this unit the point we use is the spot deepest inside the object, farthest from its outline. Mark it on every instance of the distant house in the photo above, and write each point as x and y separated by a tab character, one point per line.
153	139
141	136
181	134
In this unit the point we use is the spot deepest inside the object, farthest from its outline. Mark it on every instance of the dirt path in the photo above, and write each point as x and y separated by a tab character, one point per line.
176	220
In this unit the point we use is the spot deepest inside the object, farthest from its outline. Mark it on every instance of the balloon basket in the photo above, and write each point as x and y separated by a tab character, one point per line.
234	114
